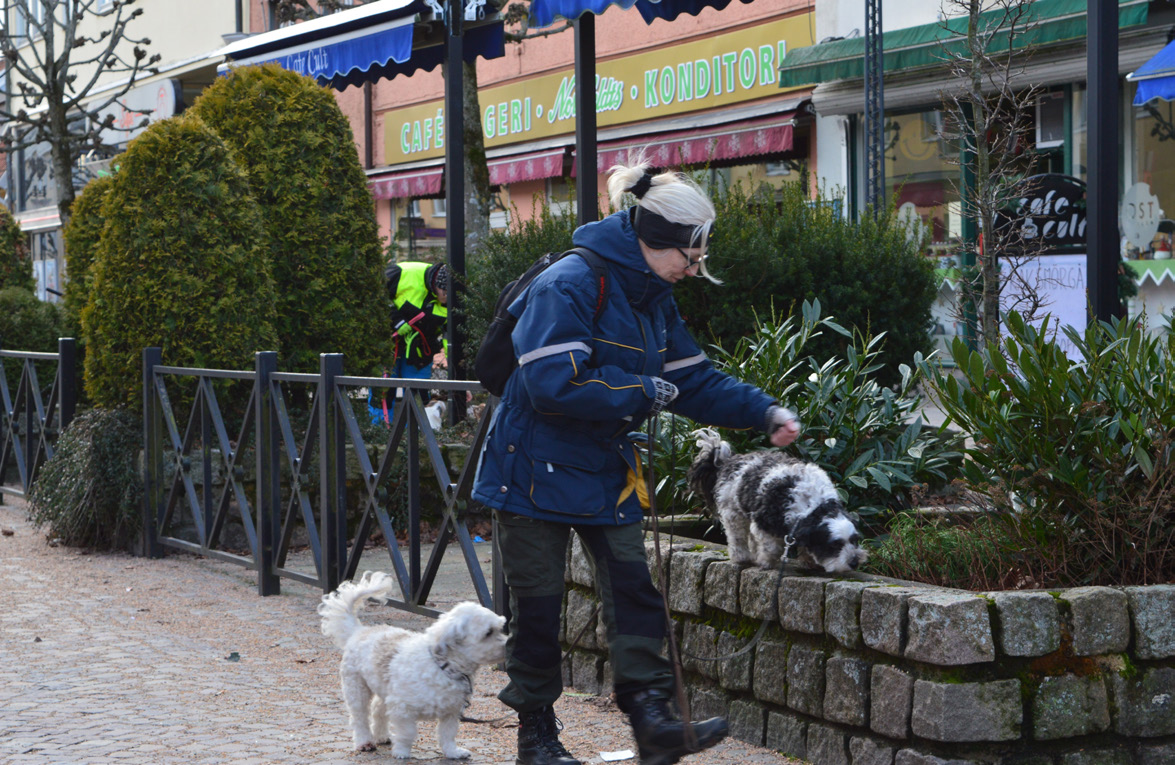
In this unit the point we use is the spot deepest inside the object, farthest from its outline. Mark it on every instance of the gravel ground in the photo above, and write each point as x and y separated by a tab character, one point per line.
108	658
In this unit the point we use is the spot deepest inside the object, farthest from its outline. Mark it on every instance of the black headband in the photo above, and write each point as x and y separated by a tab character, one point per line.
642	186
663	234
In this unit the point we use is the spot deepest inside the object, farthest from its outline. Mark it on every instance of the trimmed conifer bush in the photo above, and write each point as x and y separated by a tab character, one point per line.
298	151
16	266
81	241
181	266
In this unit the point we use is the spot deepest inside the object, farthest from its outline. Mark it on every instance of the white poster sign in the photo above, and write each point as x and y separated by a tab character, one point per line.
1059	281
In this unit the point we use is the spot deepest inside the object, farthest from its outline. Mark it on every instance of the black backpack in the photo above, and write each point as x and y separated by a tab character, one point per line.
495	360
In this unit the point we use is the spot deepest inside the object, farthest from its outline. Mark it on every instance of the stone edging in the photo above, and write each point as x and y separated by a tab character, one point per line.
862	670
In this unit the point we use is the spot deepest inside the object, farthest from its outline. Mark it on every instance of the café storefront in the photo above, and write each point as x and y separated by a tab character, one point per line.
712	102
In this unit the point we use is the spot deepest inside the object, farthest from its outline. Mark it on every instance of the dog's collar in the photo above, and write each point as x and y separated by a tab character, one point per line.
453	673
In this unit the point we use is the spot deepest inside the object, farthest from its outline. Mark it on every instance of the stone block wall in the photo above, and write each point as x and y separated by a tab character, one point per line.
863	671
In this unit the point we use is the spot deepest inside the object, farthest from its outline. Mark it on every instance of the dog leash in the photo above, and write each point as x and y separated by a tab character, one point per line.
691	737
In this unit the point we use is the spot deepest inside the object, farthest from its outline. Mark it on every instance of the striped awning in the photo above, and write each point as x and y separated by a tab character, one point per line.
422	182
374	41
526	167
770	135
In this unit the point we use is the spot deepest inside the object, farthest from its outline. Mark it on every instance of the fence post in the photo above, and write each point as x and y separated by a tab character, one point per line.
268	477
332	467
152	455
67	380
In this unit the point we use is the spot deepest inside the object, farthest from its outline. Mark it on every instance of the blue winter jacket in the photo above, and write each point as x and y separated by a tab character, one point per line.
558	448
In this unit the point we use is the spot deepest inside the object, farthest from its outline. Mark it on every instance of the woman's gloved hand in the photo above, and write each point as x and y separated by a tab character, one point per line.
666	392
782	426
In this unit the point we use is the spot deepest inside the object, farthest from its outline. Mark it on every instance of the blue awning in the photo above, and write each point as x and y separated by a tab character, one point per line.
546	12
1156	78
374	41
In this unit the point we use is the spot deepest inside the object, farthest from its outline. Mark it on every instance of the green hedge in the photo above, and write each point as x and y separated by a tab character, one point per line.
775	251
81	242
16	266
180	264
298	153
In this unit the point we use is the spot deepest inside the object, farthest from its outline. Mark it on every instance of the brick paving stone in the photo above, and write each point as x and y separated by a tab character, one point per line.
107	658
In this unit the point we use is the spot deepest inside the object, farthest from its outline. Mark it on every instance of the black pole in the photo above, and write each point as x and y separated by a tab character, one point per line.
268	496
874	108
587	186
332	501
455	186
1102	191
152	457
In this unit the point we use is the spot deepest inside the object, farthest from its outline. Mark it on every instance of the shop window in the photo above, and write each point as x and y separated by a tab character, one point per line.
558	195
1080	151
1154	164
920	171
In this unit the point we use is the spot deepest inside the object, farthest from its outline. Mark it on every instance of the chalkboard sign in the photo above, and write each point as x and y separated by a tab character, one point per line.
1048	215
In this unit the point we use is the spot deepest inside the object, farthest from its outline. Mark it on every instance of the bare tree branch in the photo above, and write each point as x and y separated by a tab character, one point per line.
45	65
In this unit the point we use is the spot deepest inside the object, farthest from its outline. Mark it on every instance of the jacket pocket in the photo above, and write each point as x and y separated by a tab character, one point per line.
566	475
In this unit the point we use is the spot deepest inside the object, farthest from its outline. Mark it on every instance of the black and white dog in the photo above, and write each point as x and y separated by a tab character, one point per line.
765	497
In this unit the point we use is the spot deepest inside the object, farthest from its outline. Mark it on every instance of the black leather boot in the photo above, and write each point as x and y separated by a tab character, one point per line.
538	739
660	735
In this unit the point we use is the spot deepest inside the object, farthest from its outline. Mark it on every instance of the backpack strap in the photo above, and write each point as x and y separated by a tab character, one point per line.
600	270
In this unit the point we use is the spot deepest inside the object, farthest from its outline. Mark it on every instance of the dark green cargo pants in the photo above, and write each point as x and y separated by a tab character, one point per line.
533	554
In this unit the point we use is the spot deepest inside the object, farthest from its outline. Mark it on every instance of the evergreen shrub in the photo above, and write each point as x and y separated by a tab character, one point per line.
16	265
773	252
81	242
90	493
298	152
181	264
1074	456
28	324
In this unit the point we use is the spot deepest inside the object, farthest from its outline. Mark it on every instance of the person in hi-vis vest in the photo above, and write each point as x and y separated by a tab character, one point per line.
419	293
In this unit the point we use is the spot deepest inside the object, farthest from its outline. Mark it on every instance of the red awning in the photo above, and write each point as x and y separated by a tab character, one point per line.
770	135
526	167
423	182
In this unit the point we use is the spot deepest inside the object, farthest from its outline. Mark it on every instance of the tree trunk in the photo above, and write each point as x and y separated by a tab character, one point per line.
478	199
61	157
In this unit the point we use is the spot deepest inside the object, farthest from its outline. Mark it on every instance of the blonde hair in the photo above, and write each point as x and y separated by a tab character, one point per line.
671	195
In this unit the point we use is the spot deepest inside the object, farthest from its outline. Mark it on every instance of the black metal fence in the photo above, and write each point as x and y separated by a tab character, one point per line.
33	420
275	474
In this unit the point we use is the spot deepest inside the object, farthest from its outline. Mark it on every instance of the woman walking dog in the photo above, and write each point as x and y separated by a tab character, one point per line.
559	458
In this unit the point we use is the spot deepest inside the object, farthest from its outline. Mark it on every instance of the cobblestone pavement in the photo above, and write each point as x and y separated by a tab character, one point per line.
114	659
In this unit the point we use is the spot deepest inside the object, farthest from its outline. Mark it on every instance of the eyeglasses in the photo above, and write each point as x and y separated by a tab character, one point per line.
690	262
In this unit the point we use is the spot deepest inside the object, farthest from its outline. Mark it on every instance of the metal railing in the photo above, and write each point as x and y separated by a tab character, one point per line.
31	424
180	476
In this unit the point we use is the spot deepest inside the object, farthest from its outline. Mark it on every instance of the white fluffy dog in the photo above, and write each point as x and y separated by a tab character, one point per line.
764	498
393	677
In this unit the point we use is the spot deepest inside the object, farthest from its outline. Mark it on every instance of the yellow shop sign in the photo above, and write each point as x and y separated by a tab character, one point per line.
718	71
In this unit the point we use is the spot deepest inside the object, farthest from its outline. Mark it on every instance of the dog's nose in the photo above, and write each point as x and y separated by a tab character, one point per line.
854	563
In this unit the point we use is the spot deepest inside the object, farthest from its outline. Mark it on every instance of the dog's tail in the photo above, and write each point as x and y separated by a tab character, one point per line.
340	609
711	444
702	475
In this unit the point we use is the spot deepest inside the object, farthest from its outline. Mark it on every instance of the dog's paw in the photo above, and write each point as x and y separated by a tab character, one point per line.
400	753
368	746
458	753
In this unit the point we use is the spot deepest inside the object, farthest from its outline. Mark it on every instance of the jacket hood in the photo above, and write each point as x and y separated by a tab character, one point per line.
615	240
